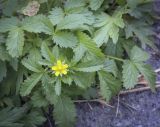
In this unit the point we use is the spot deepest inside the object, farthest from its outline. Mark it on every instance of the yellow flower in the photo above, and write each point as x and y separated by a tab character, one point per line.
60	68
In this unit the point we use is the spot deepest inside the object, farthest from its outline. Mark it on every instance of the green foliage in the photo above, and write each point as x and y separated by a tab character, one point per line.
66	107
29	83
133	67
69	49
109	86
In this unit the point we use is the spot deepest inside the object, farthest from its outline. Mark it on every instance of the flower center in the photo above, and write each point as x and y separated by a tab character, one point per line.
60	68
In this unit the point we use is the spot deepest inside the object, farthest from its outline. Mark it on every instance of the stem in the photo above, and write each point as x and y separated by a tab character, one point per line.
115	58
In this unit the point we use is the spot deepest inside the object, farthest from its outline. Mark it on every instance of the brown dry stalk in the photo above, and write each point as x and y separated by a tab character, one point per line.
101	101
138	89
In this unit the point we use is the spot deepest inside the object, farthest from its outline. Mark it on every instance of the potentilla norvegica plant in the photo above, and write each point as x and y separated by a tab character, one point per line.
53	52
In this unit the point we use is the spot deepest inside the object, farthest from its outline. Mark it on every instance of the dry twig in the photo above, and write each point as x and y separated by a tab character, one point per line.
139	89
94	100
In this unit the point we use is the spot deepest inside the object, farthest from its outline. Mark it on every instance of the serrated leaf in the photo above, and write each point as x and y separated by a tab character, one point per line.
30	83
3	53
138	54
109	86
130	74
58	88
46	53
101	36
10	116
65	39
31	65
14	63
19	79
37	24
148	73
62	109
3	70
38	120
79	52
95	4
88	43
56	15
38	100
110	26
49	89
8	24
74	6
141	30
15	42
89	66
114	50
79	79
74	21
110	66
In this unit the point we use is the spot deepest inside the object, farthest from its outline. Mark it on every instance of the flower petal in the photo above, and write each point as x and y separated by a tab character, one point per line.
57	73
65	66
64	72
59	63
54	68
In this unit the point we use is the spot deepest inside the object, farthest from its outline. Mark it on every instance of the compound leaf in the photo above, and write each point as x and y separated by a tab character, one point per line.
15	42
130	74
30	83
62	109
88	43
109	85
65	39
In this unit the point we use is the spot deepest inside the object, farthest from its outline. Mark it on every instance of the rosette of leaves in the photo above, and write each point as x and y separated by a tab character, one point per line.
99	41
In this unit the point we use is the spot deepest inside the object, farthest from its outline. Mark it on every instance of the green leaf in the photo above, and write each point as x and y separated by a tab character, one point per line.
30	83
10	116
130	74
31	65
49	89
14	63
3	70
79	52
141	30
110	26
38	99
38	120
64	112
15	42
138	54
74	6
56	15
58	88
95	4
110	66
89	66
19	79
65	39
46	53
131	69
88	43
79	79
101	36
114	49
8	24
109	85
148	73
74	21
37	24
3	53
